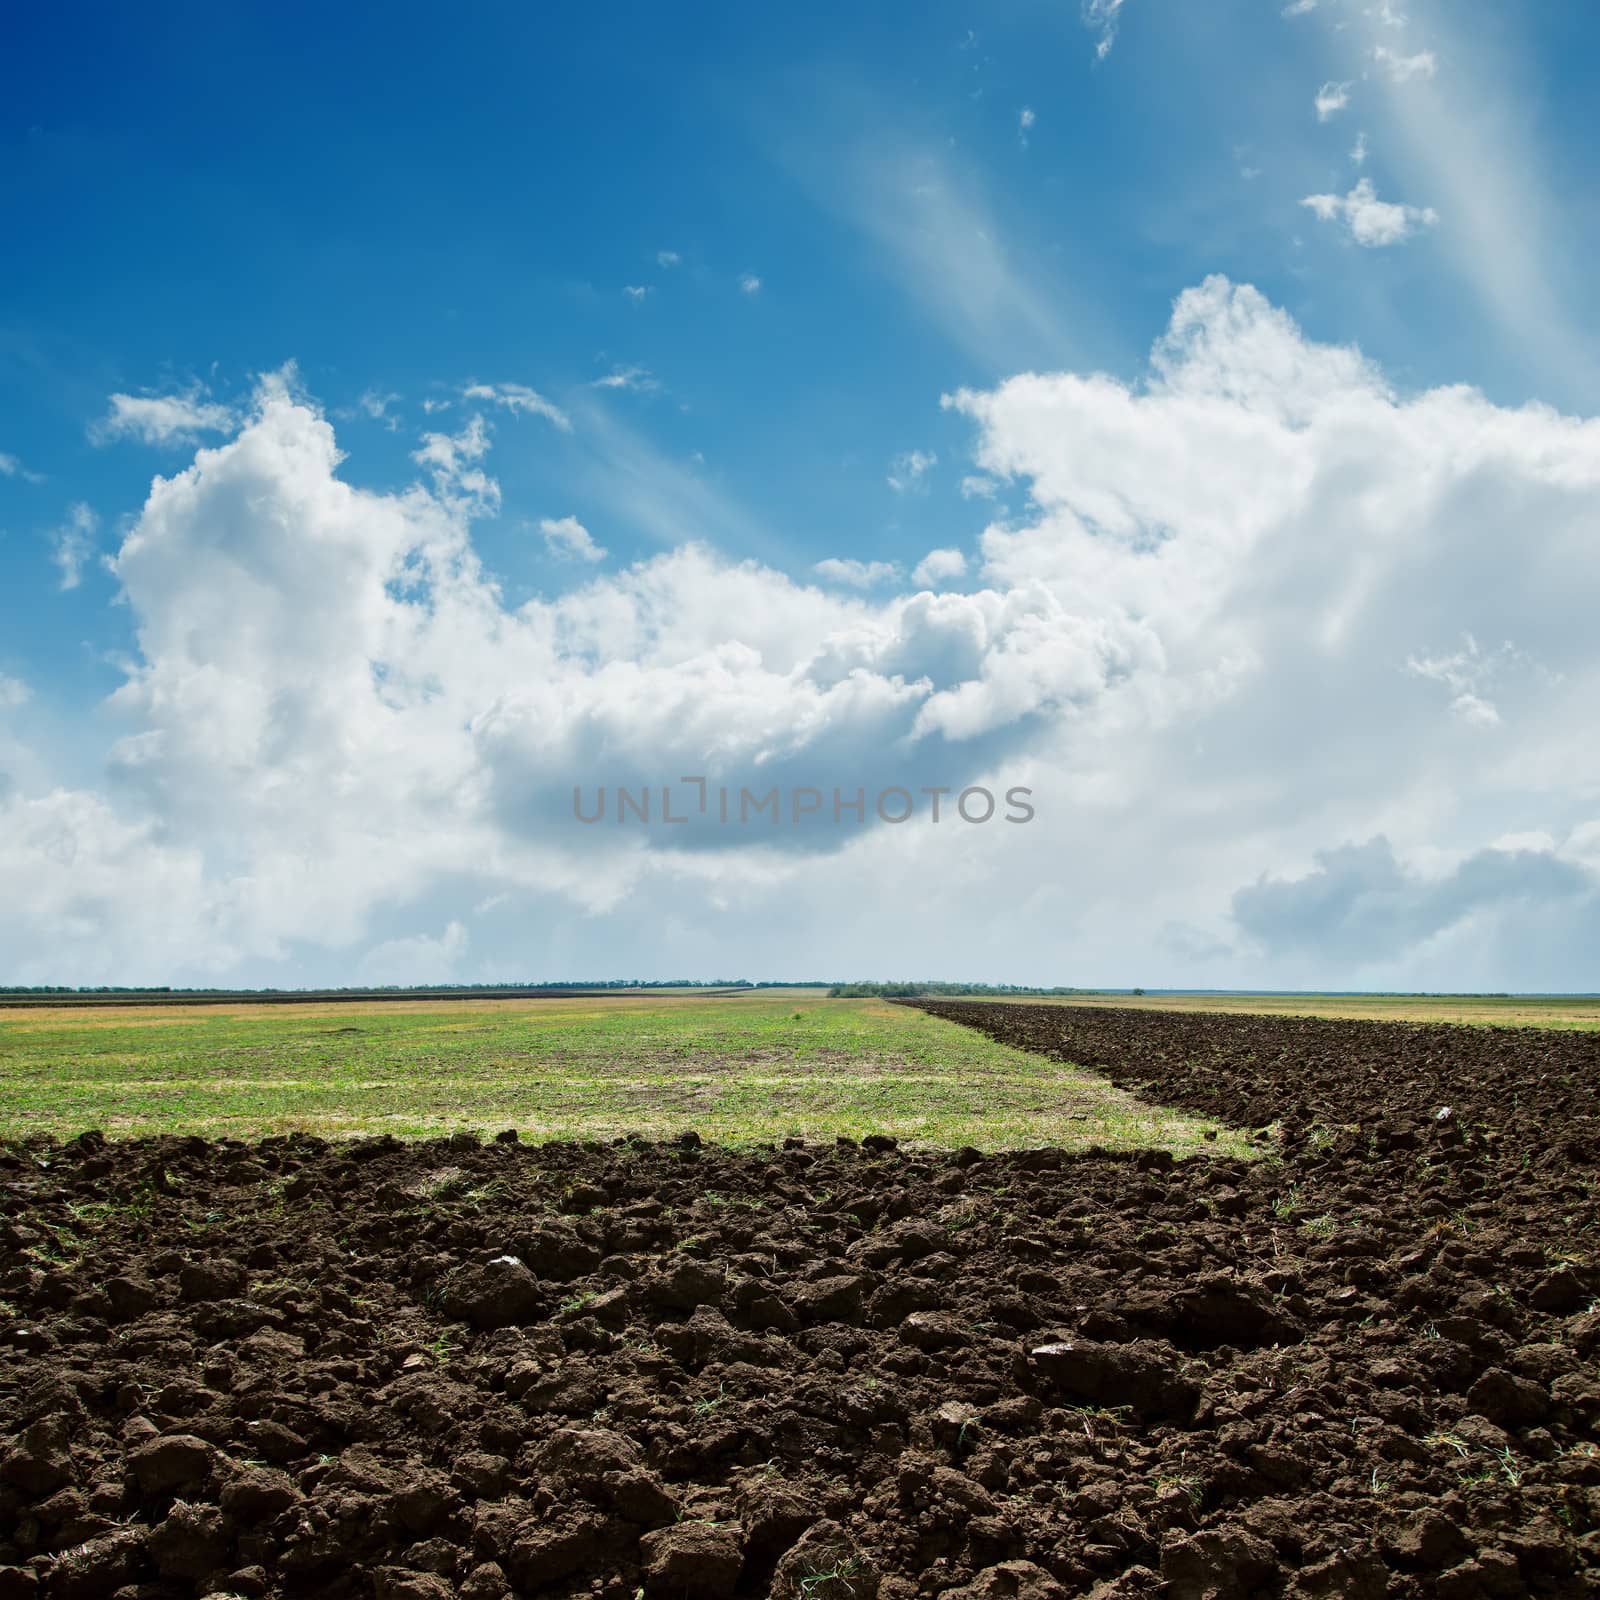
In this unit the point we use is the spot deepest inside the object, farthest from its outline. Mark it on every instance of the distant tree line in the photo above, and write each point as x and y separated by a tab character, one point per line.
852	991
429	988
568	985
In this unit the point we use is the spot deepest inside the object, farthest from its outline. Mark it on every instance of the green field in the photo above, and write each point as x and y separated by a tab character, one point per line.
736	1068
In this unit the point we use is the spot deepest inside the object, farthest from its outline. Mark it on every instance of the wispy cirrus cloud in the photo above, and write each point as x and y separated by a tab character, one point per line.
1100	17
636	380
375	403
520	400
934	234
72	543
1512	235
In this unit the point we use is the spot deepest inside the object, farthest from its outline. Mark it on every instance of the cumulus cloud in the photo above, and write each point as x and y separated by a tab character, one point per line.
72	543
636	292
568	538
163	419
937	567
1359	150
668	258
519	399
1331	98
1371	221
1299	8
1195	643
908	469
749	283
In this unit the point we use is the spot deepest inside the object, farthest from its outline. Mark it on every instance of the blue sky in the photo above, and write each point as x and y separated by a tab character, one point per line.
718	283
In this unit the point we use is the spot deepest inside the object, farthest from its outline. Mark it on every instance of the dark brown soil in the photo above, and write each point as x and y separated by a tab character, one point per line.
1364	1365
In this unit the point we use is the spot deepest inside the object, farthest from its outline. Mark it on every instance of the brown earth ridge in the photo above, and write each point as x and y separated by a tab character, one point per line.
1363	1365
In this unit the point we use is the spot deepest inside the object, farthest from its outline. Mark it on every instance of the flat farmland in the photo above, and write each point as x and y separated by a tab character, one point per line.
1488	1010
737	1068
1353	1356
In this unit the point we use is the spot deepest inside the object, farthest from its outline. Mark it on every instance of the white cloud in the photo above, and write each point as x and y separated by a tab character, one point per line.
1100	17
450	460
976	486
519	399
908	469
1193	645
1299	8
11	467
1025	120
856	574
1331	98
636	379
1359	150
1469	674
937	567
13	693
636	292
417	960
1372	222
567	537
73	543
163	419
1402	69
749	283
668	258
375	403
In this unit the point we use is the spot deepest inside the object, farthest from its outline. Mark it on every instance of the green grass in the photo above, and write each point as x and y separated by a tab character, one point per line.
737	1069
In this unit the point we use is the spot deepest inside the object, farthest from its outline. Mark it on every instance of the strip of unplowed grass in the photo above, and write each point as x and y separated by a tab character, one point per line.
738	1069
